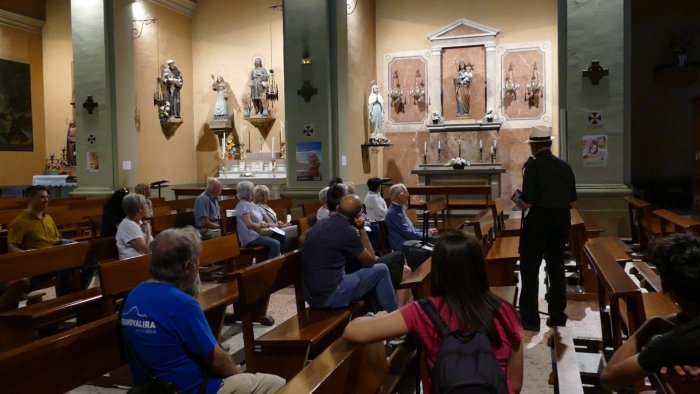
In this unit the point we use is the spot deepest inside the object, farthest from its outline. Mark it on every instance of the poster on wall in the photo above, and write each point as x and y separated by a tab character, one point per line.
15	107
595	150
93	162
308	159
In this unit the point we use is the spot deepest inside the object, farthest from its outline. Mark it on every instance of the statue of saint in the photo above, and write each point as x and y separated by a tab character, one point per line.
376	112
221	105
71	157
258	85
463	81
172	78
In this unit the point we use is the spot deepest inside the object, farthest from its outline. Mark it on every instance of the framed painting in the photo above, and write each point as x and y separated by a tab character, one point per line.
15	107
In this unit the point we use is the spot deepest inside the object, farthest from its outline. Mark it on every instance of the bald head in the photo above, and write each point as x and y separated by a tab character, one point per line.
350	205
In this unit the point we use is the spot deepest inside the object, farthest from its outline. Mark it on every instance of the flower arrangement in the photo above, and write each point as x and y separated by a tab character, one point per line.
489	116
378	140
435	117
457	162
164	111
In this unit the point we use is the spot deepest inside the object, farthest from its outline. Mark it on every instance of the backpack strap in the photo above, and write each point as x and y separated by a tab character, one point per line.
434	317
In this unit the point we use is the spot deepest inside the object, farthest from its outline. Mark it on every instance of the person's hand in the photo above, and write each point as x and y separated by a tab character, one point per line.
432	231
359	222
515	197
685	371
280	224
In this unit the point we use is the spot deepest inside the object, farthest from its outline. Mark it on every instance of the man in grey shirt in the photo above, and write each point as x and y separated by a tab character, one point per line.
207	217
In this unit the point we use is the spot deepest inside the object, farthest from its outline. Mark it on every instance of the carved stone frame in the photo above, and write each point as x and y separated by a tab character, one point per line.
388	58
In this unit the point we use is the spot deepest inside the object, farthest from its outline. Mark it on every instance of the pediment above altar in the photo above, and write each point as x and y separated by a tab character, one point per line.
463	29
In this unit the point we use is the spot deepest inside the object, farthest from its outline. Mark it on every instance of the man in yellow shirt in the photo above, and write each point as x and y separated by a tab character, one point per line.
33	229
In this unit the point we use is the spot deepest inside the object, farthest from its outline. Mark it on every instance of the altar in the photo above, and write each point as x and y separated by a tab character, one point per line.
257	170
478	174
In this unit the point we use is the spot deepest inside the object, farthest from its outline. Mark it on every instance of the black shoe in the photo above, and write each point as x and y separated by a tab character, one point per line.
552	323
529	326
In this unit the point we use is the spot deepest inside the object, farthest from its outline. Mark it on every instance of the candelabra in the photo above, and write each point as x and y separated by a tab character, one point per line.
459	146
273	166
272	93
510	86
283	150
418	90
395	92
535	89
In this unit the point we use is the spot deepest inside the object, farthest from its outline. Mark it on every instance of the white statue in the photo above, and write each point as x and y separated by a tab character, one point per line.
376	112
221	106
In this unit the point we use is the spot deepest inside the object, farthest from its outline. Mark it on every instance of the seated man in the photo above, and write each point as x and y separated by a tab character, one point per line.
165	330
34	229
678	347
375	207
400	228
328	247
207	215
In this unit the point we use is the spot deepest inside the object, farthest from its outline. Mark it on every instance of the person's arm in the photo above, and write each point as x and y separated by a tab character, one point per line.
381	326
13	248
515	368
252	225
140	245
219	362
206	223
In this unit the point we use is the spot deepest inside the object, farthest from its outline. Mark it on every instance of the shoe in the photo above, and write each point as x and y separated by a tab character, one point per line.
266	321
529	326
552	323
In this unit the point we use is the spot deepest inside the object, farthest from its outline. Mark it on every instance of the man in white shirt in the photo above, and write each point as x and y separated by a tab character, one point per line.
374	203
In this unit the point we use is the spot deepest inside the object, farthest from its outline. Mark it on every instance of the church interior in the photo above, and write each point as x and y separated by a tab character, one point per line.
160	97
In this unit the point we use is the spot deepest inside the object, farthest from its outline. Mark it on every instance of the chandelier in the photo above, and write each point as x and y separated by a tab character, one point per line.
535	89
510	86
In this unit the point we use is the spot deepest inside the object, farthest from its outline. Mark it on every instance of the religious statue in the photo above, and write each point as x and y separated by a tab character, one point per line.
221	105
463	82
71	157
258	84
376	112
172	78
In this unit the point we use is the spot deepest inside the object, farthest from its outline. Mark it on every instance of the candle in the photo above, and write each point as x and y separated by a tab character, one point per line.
425	148
492	151
481	144
282	132
494	143
439	147
223	147
272	148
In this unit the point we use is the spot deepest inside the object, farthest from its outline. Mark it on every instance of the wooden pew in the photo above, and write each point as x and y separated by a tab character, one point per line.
181	205
74	223
565	376
284	349
501	253
454	190
578	236
195	191
648	278
310	208
342	368
436	209
282	207
20	326
643	226
674	223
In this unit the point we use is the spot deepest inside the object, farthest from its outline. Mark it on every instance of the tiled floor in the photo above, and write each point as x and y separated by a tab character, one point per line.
583	319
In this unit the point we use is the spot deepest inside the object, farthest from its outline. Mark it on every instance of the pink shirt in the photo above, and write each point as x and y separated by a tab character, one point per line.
509	329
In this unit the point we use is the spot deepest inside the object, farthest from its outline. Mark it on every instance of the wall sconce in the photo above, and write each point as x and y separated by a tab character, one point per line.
272	93
510	86
535	89
395	92
306	61
418	91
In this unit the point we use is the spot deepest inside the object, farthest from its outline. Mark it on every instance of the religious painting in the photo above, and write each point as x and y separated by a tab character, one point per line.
594	150
16	132
308	161
463	82
93	161
406	92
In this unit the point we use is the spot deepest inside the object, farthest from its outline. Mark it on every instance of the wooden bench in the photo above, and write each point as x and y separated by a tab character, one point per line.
648	278
342	368
284	349
282	208
565	376
674	223
20	326
586	276
454	190
181	205
501	253
195	191
310	208
643	226
74	223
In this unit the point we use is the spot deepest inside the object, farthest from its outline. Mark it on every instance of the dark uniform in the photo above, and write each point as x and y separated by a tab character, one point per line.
549	186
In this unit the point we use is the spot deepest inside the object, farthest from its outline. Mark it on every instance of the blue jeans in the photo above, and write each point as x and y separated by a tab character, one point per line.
373	283
272	245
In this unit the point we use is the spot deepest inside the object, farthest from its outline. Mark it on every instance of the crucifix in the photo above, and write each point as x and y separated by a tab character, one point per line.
459	146
595	72
90	104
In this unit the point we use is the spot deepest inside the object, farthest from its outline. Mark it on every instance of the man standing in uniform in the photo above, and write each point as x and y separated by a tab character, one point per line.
549	188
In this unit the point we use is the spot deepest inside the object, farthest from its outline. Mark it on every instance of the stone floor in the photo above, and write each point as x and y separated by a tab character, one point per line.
584	319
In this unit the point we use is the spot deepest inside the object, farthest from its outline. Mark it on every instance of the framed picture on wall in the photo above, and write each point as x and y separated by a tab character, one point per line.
15	107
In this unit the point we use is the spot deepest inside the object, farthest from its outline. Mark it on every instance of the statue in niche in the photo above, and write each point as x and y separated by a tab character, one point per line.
258	85
463	82
221	105
172	78
376	112
71	158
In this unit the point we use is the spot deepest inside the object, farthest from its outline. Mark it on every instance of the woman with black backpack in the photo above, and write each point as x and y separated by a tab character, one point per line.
463	324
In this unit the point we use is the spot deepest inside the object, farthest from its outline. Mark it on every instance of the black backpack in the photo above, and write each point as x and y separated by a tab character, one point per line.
465	363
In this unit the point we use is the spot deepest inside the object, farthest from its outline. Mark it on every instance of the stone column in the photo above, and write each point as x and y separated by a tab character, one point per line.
316	29
100	29
596	30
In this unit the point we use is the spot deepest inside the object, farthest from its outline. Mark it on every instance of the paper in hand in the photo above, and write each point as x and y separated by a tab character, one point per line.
276	230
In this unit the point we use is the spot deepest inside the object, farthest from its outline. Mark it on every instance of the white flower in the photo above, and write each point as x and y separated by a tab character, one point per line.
457	161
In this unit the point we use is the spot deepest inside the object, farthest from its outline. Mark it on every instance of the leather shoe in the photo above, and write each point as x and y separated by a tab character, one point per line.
266	321
552	323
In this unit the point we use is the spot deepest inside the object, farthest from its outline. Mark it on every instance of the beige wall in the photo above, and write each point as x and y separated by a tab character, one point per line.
227	46
25	47
58	82
170	38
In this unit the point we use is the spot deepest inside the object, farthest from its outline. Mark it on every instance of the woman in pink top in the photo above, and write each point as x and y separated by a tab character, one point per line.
462	297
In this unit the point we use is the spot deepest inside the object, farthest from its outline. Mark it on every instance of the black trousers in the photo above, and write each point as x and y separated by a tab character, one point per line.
544	234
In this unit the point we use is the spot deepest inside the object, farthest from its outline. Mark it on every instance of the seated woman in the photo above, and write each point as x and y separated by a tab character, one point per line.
249	222
462	298
133	235
323	212
113	213
665	344
262	197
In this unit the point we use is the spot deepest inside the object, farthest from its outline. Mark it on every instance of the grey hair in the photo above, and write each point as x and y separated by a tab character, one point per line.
395	190
212	183
350	187
244	190
132	203
260	192
171	249
322	194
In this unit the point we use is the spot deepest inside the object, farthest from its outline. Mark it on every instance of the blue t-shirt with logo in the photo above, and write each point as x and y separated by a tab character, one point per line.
166	328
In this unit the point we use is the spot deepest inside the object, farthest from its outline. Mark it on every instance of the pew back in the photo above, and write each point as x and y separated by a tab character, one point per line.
42	261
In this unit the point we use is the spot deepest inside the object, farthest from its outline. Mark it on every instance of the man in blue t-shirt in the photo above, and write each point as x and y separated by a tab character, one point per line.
330	244
167	332
207	216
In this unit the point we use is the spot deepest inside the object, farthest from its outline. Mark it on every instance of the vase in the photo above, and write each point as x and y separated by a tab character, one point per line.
458	166
435	121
